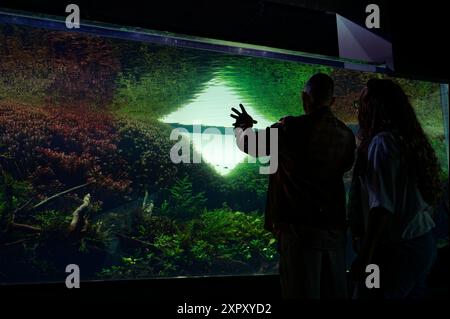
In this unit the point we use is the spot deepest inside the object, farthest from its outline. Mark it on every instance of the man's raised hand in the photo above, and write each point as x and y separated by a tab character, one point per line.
243	119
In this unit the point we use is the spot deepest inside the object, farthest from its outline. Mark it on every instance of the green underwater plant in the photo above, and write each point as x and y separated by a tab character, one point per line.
216	242
52	219
237	236
158	80
183	203
245	188
273	87
13	193
144	149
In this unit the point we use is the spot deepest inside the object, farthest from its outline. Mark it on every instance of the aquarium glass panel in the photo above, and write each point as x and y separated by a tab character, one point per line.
85	139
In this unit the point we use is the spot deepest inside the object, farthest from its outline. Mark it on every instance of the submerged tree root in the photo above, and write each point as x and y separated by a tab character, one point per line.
45	201
25	227
79	219
137	241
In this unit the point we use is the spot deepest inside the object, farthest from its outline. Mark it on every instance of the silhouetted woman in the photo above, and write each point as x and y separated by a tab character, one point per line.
395	186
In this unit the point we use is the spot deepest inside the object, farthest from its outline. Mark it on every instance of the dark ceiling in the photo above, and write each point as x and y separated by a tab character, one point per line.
416	29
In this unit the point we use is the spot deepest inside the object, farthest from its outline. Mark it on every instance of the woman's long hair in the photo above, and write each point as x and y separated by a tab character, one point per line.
385	107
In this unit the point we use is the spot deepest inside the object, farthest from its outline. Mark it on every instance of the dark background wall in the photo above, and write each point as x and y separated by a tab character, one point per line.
417	29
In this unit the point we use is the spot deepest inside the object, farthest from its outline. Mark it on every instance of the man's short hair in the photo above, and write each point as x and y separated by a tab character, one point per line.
320	87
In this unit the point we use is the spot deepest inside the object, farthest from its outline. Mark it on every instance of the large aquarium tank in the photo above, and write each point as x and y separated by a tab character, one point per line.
87	120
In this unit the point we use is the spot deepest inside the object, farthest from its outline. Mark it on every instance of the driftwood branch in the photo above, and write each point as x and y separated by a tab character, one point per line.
21	208
138	242
239	262
20	241
6	157
144	202
78	216
45	201
12	225
17	226
134	240
147	205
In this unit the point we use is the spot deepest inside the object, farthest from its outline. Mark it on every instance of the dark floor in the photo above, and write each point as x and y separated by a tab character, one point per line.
258	288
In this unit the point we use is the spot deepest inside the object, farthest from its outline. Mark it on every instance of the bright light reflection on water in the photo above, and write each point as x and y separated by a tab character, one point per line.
212	107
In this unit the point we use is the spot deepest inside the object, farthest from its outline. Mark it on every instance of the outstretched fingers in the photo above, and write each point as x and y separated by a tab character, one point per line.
243	113
235	111
243	109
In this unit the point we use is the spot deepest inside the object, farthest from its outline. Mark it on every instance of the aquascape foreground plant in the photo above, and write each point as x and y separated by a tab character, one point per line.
53	149
183	203
245	188
217	242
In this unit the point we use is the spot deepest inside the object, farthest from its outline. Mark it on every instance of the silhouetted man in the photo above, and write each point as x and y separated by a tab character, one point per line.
306	197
